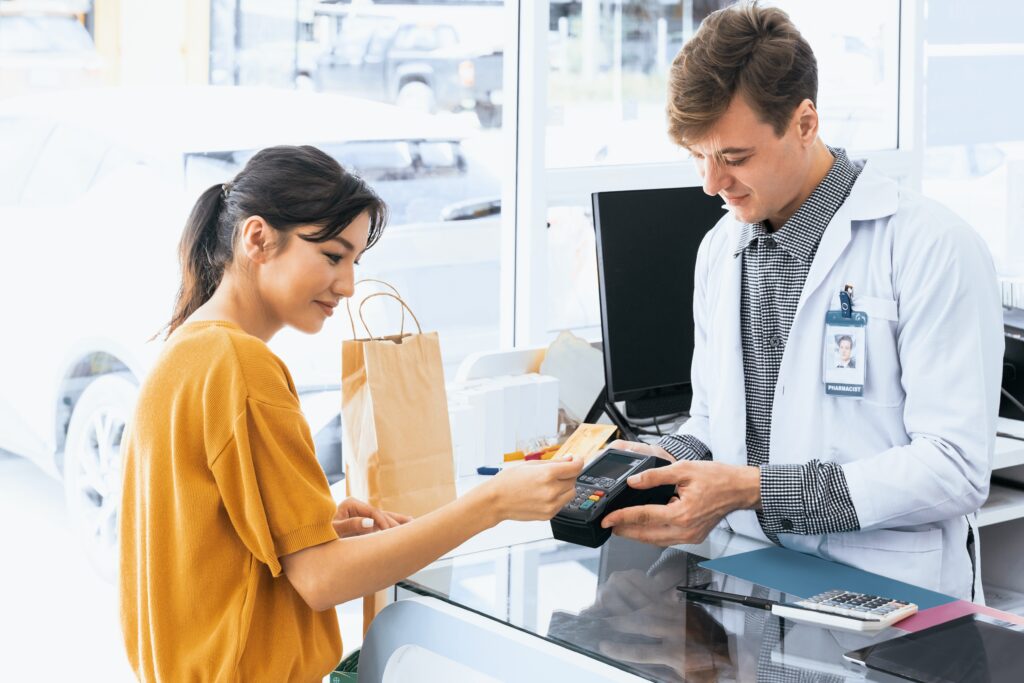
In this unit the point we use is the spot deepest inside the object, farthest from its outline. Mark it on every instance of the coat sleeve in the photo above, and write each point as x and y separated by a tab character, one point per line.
691	441
950	349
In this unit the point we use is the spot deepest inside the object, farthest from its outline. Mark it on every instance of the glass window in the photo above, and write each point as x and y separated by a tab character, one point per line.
65	168
43	34
203	169
382	32
378	160
446	37
609	62
974	134
572	271
116	160
416	37
608	69
424	112
357	37
421	181
111	175
257	42
20	142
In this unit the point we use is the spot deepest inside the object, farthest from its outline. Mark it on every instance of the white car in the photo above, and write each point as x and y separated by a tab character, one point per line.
94	189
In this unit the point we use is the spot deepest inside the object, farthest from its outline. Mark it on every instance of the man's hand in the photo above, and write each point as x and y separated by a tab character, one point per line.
642	449
356	518
707	491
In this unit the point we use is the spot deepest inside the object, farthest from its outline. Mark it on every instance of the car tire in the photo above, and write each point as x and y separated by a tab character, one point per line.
416	95
92	467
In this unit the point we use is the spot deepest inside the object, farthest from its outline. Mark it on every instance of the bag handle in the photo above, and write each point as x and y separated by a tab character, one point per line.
348	306
399	299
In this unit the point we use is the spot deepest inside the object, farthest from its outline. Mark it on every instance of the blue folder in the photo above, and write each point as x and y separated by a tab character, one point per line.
803	576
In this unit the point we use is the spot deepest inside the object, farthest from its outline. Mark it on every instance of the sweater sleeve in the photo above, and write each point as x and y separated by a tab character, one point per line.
271	483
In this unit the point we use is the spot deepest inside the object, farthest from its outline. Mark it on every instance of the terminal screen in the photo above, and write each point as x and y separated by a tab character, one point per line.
611	466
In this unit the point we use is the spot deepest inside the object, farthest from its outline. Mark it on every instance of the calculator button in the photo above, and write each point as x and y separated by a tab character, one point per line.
587	504
598	493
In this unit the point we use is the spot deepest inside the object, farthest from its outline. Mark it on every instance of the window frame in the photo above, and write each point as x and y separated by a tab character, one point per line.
534	188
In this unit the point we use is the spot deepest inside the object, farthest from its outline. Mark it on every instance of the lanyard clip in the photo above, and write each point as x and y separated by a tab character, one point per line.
846	300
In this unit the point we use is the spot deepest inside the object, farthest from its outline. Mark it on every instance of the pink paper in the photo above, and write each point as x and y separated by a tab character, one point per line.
949	611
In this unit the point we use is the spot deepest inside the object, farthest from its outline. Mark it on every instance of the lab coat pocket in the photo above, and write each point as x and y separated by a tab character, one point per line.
882	378
914	557
877	308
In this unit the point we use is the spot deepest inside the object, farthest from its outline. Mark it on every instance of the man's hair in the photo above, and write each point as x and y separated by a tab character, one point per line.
845	338
747	49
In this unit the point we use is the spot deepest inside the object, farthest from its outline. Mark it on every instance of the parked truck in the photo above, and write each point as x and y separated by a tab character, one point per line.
410	60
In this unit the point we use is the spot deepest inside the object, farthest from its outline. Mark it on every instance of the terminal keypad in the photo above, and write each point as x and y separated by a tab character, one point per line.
586	497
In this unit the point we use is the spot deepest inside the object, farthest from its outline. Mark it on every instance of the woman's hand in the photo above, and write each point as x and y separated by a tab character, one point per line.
356	518
535	490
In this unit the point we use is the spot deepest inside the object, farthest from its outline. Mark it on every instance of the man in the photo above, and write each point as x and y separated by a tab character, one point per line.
845	347
885	472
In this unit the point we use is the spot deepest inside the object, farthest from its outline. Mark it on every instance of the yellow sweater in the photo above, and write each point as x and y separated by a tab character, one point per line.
220	481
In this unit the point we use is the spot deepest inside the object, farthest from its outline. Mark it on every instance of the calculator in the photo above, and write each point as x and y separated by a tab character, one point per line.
846	610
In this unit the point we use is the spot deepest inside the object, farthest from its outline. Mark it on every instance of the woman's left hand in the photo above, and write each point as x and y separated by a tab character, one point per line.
356	518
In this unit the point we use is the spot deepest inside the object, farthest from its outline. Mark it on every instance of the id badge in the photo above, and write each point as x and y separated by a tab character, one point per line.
845	353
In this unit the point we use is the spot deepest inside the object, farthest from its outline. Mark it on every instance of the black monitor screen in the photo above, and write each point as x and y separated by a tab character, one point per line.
647	243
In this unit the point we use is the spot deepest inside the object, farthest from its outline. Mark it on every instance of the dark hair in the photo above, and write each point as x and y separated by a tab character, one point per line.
746	48
844	338
287	187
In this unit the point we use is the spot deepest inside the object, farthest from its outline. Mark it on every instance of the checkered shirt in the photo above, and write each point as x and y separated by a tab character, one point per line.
812	498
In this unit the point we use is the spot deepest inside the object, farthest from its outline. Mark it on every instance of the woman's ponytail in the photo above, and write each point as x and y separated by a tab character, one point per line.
202	254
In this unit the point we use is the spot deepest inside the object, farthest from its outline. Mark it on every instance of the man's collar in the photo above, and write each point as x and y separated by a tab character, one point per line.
801	234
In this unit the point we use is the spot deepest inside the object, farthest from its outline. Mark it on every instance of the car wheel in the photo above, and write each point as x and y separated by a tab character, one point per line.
92	467
416	95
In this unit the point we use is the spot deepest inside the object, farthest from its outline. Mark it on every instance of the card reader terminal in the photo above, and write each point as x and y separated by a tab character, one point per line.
601	488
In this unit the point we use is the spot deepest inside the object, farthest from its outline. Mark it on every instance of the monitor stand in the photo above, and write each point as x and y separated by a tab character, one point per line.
650	407
603	405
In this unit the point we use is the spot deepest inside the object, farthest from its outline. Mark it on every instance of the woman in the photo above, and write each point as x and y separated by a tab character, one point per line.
233	553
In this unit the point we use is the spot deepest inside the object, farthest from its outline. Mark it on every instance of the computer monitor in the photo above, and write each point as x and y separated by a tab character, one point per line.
647	243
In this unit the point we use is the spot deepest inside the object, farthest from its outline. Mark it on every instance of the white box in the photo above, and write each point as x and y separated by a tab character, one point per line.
547	406
510	412
523	391
531	407
488	399
465	425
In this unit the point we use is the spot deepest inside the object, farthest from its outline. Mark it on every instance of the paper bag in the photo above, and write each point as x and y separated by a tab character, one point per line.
395	413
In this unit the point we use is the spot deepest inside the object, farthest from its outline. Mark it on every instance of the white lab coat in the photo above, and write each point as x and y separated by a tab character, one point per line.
917	449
